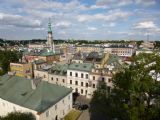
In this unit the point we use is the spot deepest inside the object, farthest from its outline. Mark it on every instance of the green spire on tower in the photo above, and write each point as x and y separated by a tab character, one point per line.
49	26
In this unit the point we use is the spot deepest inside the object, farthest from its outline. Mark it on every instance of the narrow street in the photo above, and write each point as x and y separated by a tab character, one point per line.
84	115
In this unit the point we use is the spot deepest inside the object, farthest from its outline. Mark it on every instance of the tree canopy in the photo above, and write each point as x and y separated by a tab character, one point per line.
136	92
6	57
18	116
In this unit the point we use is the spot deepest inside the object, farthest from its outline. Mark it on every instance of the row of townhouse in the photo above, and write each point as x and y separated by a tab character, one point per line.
24	69
81	77
122	51
88	48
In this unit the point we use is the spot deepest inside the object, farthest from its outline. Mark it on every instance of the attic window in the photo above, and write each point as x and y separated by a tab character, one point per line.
76	65
84	66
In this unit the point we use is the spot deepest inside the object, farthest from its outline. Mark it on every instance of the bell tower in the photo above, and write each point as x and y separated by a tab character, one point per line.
50	42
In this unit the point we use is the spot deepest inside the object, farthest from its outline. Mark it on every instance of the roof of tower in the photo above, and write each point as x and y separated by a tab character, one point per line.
49	26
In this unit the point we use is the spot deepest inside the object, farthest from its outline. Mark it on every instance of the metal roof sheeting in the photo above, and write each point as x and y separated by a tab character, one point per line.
18	90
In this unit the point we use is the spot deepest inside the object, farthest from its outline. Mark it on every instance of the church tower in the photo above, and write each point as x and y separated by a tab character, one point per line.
50	42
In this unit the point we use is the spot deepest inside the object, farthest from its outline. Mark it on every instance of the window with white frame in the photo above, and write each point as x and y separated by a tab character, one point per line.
86	76
94	85
70	73
81	83
81	75
70	81
93	77
76	82
76	74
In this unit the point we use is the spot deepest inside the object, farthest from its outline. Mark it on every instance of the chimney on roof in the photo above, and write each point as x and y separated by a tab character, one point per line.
35	82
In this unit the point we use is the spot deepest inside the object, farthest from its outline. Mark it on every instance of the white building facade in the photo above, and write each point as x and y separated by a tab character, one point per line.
55	112
45	101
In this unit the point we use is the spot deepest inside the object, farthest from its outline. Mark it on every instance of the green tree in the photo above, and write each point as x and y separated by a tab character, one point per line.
6	57
136	92
18	116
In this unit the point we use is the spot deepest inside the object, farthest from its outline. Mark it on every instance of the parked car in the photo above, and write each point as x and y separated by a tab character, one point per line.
76	105
83	107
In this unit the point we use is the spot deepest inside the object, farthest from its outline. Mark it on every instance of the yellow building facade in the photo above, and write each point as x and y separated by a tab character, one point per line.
22	69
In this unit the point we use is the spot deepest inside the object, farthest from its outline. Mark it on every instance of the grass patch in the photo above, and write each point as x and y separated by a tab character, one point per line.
72	115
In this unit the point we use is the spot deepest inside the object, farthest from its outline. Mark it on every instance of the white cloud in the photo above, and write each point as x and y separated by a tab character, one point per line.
34	15
112	15
18	21
111	3
146	28
103	4
145	2
98	7
63	32
112	24
92	28
74	4
146	25
36	29
39	28
50	5
120	3
40	14
63	24
83	18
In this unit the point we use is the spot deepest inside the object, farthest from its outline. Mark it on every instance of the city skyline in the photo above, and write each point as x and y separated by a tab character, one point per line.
80	19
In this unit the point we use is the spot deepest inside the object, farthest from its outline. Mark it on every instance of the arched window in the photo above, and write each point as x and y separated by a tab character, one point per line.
86	84
76	82
94	85
86	92
81	75
70	81
81	83
76	74
86	76
103	79
70	73
81	91
63	80
76	90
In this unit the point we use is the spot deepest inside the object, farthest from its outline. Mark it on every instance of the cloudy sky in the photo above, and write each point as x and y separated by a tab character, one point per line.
80	19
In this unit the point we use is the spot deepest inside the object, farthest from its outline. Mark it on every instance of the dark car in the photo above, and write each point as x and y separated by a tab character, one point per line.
76	105
83	107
